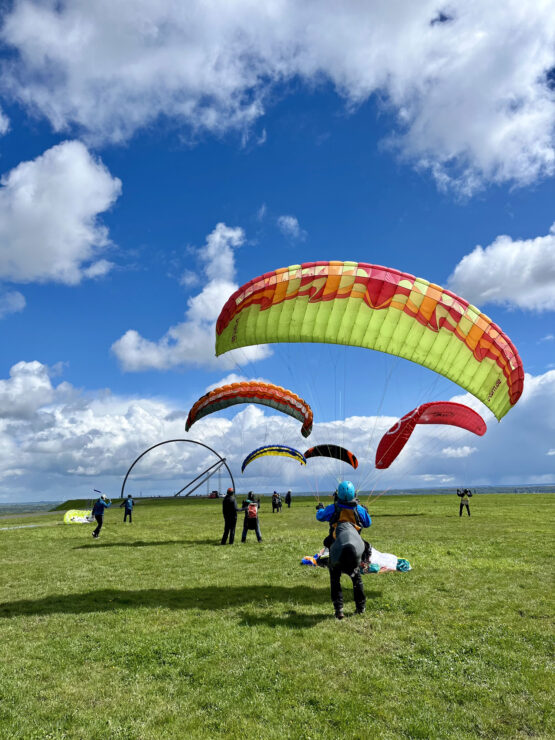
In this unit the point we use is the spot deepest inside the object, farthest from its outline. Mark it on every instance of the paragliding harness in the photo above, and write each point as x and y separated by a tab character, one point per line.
344	513
252	515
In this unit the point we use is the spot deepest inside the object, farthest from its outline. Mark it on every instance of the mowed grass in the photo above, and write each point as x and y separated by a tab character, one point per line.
153	631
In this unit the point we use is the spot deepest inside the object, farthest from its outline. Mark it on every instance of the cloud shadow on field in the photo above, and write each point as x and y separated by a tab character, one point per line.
211	598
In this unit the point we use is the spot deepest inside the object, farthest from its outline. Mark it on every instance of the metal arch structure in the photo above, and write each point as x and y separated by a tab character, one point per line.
167	441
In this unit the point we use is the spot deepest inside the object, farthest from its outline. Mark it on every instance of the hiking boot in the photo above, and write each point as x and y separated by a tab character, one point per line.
339	614
361	609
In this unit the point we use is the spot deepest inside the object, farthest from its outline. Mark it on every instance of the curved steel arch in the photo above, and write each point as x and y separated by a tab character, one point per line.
191	441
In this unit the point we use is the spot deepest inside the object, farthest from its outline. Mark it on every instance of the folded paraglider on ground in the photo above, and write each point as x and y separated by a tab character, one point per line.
380	562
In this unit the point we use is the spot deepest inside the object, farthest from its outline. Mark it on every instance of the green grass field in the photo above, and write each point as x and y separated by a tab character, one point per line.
154	632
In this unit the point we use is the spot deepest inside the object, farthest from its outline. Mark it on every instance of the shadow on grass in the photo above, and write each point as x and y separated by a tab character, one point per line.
211	598
142	543
396	515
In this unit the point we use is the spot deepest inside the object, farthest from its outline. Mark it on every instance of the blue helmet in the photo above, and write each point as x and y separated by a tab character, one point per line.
346	491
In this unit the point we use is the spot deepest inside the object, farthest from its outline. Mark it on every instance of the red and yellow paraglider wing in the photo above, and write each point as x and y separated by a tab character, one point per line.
265	394
378	308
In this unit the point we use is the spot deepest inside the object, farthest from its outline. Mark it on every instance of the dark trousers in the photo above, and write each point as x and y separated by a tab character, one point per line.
461	509
99	521
229	529
337	592
127	514
246	529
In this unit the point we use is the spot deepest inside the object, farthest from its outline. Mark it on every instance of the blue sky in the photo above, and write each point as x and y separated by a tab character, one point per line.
154	158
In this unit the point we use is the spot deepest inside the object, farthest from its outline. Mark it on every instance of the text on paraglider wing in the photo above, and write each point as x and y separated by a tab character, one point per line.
494	388
234	333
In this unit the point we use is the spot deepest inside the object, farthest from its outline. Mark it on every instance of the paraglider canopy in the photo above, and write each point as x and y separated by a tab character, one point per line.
438	412
364	305
252	391
280	450
334	451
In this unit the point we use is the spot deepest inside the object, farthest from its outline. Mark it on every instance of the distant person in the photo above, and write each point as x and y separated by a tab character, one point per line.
129	504
98	512
250	507
229	510
347	548
276	502
288	499
465	495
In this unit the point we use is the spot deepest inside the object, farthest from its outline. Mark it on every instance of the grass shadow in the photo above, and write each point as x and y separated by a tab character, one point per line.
396	515
143	543
211	598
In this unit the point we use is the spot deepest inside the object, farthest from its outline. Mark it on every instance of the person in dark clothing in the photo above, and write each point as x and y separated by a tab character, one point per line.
229	510
98	513
276	502
288	499
129	504
251	507
346	546
465	495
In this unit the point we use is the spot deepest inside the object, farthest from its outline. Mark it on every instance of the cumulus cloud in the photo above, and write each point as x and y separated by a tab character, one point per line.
518	273
27	390
11	302
470	88
289	225
57	441
191	343
49	208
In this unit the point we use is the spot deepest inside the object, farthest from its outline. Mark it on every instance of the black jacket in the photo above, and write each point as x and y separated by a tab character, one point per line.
229	507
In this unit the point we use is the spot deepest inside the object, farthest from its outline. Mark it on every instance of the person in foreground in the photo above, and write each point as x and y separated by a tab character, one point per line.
98	512
229	510
346	518
250	507
129	504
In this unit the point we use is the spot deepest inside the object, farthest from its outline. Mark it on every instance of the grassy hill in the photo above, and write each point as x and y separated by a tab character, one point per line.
153	631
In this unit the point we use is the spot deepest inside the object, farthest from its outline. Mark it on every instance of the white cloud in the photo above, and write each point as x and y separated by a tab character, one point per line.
189	279
59	442
548	338
27	390
517	273
463	451
191	343
4	123
11	302
289	225
227	380
49	208
551	452
471	95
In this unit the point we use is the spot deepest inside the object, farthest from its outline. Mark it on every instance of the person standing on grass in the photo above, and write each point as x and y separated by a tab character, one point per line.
276	502
346	518
129	504
250	507
465	495
288	499
98	513
229	510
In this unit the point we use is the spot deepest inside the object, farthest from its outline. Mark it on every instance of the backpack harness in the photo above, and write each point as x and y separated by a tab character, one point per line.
345	513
